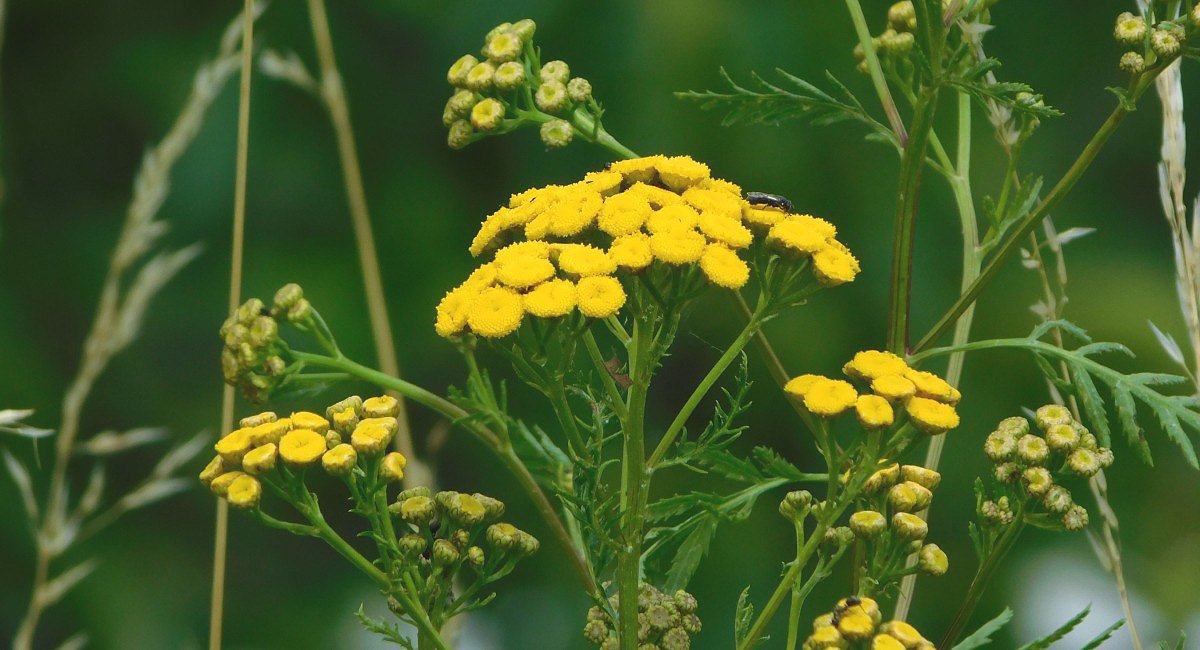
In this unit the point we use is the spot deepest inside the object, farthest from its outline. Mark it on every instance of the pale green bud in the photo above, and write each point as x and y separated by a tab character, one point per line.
1018	426
933	560
487	114
794	504
249	310
493	506
1052	414
503	47
921	476
509	76
556	134
691	624
662	616
524	28
551	97
1084	462
1076	518
460	134
286	297
418	510
1130	29
838	537
579	89
556	71
444	553
1037	480
1000	445
301	312
909	497
1057	499
1062	438
685	602
996	513
496	31
595	631
867	524
902	16
675	638
896	43
457	76
413	545
909	526
461	102
1032	449
1164	43
475	557
480	77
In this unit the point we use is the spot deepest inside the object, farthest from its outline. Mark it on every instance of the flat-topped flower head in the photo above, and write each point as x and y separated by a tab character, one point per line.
871	364
830	397
931	416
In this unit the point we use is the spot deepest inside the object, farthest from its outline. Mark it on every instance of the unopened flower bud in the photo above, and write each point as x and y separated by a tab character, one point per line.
595	631
1084	462
444	553
902	16
339	460
464	509
286	297
684	601
460	134
996	513
556	133
494	507
909	497
251	421
921	475
503	47
838	537
662	616
419	510
691	624
1018	426
909	526
1037	480
1075	518
475	557
244	492
457	76
480	77
525	29
274	366
551	97
1007	472
1057	499
932	560
212	470
234	445
413	545
896	43
1130	29
391	468
1000	445
579	89
1052	414
794	504
300	312
881	479
675	638
260	460
509	76
1062	438
556	71
1106	456
373	435
487	114
1133	62
1032	449
867	524
249	310
503	536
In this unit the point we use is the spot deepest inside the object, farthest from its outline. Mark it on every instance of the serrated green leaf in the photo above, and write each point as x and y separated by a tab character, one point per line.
691	551
743	616
1057	635
1103	636
983	635
1092	402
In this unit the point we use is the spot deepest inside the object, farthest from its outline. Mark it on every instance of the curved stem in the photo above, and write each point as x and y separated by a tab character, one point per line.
706	384
881	88
785	587
987	570
1035	216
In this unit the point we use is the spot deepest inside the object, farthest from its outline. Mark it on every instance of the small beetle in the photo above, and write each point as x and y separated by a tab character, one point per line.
769	200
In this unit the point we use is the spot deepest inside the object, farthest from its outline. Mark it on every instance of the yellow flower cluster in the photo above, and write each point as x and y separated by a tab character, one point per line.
927	399
562	247
250	453
858	620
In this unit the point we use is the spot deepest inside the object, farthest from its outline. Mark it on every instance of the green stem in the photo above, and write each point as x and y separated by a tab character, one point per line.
987	570
797	599
912	163
610	386
633	486
459	416
784	589
586	125
706	384
881	88
1030	221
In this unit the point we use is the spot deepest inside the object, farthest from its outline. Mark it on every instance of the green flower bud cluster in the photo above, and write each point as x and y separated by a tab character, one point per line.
897	40
665	621
892	527
1153	45
253	356
1029	463
858	623
510	88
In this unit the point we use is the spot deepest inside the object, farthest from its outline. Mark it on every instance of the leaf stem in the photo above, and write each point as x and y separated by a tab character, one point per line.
983	576
881	88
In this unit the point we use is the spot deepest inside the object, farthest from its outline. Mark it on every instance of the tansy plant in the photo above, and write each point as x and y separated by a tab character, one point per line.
583	288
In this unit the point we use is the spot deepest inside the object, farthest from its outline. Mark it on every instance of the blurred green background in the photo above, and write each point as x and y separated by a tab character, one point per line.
87	86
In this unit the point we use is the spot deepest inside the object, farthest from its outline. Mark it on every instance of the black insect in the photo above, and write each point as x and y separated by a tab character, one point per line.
769	200
838	611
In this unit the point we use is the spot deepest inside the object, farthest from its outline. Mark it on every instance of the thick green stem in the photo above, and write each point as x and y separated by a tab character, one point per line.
1030	221
793	638
706	384
633	486
987	570
912	163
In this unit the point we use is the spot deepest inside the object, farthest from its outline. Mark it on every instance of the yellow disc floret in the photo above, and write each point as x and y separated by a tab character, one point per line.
496	312
301	447
830	397
870	364
723	267
931	416
600	296
551	299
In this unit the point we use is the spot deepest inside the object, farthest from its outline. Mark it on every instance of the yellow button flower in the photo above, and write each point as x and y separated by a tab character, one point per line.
301	447
657	197
212	470
576	213
802	233
677	246
903	632
921	476
631	252
825	637
623	214
681	172
551	299
373	435
220	485
251	421
909	526
881	479
524	248
391	468
719	228
454	309
496	312
933	560
383	406
234	445
798	386
762	218
931	417
933	387
260	460
600	296
524	271
856	627
638	169
830	397
269	432
886	642
584	260
244	492
893	387
672	218
873	411
716	202
605	183
339	460
834	265
723	267
310	421
870	364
